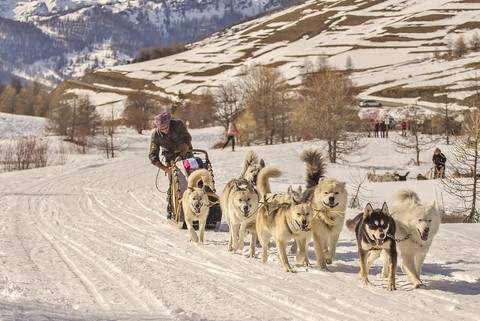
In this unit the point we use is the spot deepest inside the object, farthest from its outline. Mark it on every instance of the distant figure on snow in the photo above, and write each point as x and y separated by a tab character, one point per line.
403	126
231	134
383	128
376	128
439	161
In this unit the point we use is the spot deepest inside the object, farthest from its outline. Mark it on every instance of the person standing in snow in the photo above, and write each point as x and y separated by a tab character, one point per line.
231	132
439	161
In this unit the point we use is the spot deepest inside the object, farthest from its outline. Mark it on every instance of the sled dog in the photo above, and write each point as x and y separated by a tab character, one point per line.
252	167
282	217
417	224
195	203
328	199
399	177
375	230
239	202
383	177
267	196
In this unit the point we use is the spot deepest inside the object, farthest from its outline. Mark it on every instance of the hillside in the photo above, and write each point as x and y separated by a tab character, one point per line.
398	49
61	39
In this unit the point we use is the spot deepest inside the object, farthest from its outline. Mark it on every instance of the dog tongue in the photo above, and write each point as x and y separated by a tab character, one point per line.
380	242
424	236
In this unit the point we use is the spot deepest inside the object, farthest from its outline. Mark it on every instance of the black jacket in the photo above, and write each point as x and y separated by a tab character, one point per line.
178	136
439	159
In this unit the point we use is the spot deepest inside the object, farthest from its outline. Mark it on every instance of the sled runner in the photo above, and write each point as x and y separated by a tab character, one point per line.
178	184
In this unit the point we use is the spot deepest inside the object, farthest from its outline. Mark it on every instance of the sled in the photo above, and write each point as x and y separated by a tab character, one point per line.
177	187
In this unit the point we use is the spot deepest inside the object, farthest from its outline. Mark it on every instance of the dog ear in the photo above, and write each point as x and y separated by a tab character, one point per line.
295	201
262	163
385	209
290	189
368	210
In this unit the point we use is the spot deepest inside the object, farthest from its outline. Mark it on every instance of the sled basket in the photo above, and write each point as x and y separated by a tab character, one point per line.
177	187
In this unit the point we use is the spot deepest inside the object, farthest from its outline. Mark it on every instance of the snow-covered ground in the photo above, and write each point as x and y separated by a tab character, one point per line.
89	240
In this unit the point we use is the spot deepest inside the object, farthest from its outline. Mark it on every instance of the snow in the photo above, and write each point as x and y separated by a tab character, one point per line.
378	64
89	240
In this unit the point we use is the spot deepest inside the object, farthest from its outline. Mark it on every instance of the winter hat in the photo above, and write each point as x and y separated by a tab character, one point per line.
163	120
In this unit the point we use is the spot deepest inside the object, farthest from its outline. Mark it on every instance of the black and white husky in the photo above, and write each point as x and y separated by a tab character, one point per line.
375	231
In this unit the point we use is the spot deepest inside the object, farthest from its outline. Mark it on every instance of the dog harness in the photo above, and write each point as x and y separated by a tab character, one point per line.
327	219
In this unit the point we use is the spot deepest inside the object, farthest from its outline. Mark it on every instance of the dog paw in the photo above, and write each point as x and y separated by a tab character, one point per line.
328	261
391	288
420	286
365	281
323	267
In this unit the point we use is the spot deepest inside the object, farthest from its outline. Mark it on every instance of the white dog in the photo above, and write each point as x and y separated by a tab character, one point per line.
195	203
239	202
328	199
417	223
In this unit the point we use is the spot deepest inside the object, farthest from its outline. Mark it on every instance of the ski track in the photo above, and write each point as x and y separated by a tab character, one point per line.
114	250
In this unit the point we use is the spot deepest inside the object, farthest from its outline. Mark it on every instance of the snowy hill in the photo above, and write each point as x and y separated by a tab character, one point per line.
89	241
398	50
53	40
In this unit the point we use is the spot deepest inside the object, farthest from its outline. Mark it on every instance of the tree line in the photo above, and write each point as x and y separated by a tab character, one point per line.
31	99
267	110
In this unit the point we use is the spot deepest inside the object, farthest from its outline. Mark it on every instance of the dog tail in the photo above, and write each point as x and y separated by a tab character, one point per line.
405	195
263	182
250	159
200	175
315	165
351	223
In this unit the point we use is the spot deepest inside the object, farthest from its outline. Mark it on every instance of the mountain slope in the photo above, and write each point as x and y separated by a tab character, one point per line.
398	49
59	39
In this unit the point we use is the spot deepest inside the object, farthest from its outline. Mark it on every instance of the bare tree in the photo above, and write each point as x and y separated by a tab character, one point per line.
178	103
475	42
466	160
25	153
357	197
107	141
446	118
460	47
327	97
228	102
349	65
265	89
199	110
139	109
415	141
